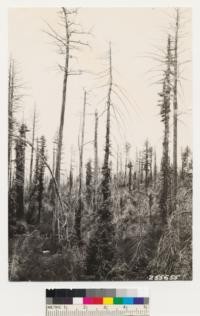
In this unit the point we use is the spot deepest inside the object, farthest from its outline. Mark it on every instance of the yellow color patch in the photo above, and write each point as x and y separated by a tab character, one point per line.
108	300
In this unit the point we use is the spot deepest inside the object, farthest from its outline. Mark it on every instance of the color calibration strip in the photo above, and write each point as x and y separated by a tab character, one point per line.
96	297
97	302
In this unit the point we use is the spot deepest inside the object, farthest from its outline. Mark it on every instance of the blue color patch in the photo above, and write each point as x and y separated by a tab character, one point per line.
139	300
128	300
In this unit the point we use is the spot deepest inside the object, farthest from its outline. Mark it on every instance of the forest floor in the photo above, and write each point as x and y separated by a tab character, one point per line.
143	248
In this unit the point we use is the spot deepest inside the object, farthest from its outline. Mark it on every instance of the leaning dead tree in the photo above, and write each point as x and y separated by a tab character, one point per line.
67	42
21	138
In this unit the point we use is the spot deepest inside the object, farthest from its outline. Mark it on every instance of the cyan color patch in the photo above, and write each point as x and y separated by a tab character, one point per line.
128	300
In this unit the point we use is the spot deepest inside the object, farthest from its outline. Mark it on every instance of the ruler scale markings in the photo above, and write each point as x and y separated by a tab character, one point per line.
95	311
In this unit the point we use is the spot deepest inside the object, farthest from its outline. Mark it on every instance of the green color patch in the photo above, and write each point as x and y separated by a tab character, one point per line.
118	300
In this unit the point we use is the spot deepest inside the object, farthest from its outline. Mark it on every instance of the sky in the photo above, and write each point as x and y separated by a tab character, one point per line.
138	37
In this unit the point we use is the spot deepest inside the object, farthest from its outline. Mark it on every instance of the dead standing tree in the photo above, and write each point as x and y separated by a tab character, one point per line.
164	112
37	188
155	169
32	214
175	106
71	176
20	172
32	151
88	182
54	156
130	167
95	160
147	163
80	203
127	150
141	167
10	118
186	163
51	187
15	87
41	175
66	42
100	252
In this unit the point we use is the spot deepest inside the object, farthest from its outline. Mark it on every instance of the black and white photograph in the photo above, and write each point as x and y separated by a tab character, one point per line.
100	144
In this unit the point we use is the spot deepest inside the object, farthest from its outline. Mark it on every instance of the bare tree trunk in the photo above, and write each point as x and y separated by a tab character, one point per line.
155	170
100	252
120	163
175	108
88	183
150	165
32	149
54	159
95	160
65	43
71	174
146	164
10	119
81	147
141	167
127	149
70	182
56	216
130	167
117	166
165	116
80	204
106	169
106	230
107	146
125	171
62	115
139	171
20	172
41	176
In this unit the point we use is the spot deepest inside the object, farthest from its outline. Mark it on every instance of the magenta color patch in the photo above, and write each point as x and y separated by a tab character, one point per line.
87	300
